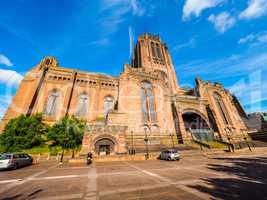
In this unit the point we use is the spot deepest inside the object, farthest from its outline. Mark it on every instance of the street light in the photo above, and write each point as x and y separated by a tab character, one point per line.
229	140
132	151
146	141
171	135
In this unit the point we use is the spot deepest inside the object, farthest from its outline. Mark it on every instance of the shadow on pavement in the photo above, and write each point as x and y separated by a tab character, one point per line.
251	181
21	196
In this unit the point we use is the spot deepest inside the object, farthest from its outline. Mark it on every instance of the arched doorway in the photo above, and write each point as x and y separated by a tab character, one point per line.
104	146
197	126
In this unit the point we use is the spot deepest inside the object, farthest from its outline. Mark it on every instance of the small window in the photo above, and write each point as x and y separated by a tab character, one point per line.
15	156
5	157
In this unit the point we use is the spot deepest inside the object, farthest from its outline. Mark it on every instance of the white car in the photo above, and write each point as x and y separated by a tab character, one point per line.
170	154
14	160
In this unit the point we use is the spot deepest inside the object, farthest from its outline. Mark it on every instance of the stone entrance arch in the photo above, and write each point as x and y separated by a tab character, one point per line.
104	146
197	125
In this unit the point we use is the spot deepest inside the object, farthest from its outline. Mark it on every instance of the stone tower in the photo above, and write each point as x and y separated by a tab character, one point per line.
153	55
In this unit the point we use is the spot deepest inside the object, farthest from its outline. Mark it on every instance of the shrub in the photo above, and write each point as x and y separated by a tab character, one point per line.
23	132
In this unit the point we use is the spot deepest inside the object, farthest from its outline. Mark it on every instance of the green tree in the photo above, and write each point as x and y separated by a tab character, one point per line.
67	133
23	132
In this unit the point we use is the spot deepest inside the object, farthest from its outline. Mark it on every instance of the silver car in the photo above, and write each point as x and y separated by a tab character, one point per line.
14	160
170	154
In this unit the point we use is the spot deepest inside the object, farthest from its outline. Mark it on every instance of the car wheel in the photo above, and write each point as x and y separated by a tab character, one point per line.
16	166
169	159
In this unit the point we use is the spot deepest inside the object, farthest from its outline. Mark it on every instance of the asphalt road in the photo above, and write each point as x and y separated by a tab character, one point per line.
225	177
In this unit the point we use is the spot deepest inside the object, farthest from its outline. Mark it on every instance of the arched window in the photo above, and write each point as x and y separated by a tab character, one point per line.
108	104
148	102
159	54
153	49
52	103
221	107
82	106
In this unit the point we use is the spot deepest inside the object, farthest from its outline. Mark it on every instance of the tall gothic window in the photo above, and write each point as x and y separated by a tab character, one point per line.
52	103
148	102
153	49
221	107
82	106
108	104
159	54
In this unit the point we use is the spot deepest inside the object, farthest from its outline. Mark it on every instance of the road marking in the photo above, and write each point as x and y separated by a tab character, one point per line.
43	178
91	192
73	168
170	182
133	189
10	181
147	187
58	177
61	197
13	184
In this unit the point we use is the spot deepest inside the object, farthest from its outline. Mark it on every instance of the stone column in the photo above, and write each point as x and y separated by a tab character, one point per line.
185	136
86	143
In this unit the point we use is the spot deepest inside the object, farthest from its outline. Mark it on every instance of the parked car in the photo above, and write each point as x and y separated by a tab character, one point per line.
14	160
170	154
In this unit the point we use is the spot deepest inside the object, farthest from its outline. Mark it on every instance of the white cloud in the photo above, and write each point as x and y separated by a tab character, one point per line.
254	39
263	38
190	44
10	77
255	9
4	102
114	12
246	39
127	5
100	42
136	8
5	60
247	70
131	41
195	7
222	22
225	67
251	91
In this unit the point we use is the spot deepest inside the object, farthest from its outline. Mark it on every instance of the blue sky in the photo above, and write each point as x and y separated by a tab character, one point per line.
219	40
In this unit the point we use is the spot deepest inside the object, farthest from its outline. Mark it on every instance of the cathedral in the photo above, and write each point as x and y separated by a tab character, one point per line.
143	107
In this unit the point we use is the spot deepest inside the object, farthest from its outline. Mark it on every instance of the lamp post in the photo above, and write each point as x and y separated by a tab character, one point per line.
246	139
132	144
231	146
171	135
146	141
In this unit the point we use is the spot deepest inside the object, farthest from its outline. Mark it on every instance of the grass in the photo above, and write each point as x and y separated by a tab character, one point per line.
37	150
214	144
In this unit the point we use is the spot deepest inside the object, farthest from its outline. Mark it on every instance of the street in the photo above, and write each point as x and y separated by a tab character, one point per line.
240	176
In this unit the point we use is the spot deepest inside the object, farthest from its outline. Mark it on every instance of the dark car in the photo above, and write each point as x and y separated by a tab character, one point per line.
14	160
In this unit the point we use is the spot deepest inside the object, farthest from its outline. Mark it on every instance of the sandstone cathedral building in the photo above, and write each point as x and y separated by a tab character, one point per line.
144	104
